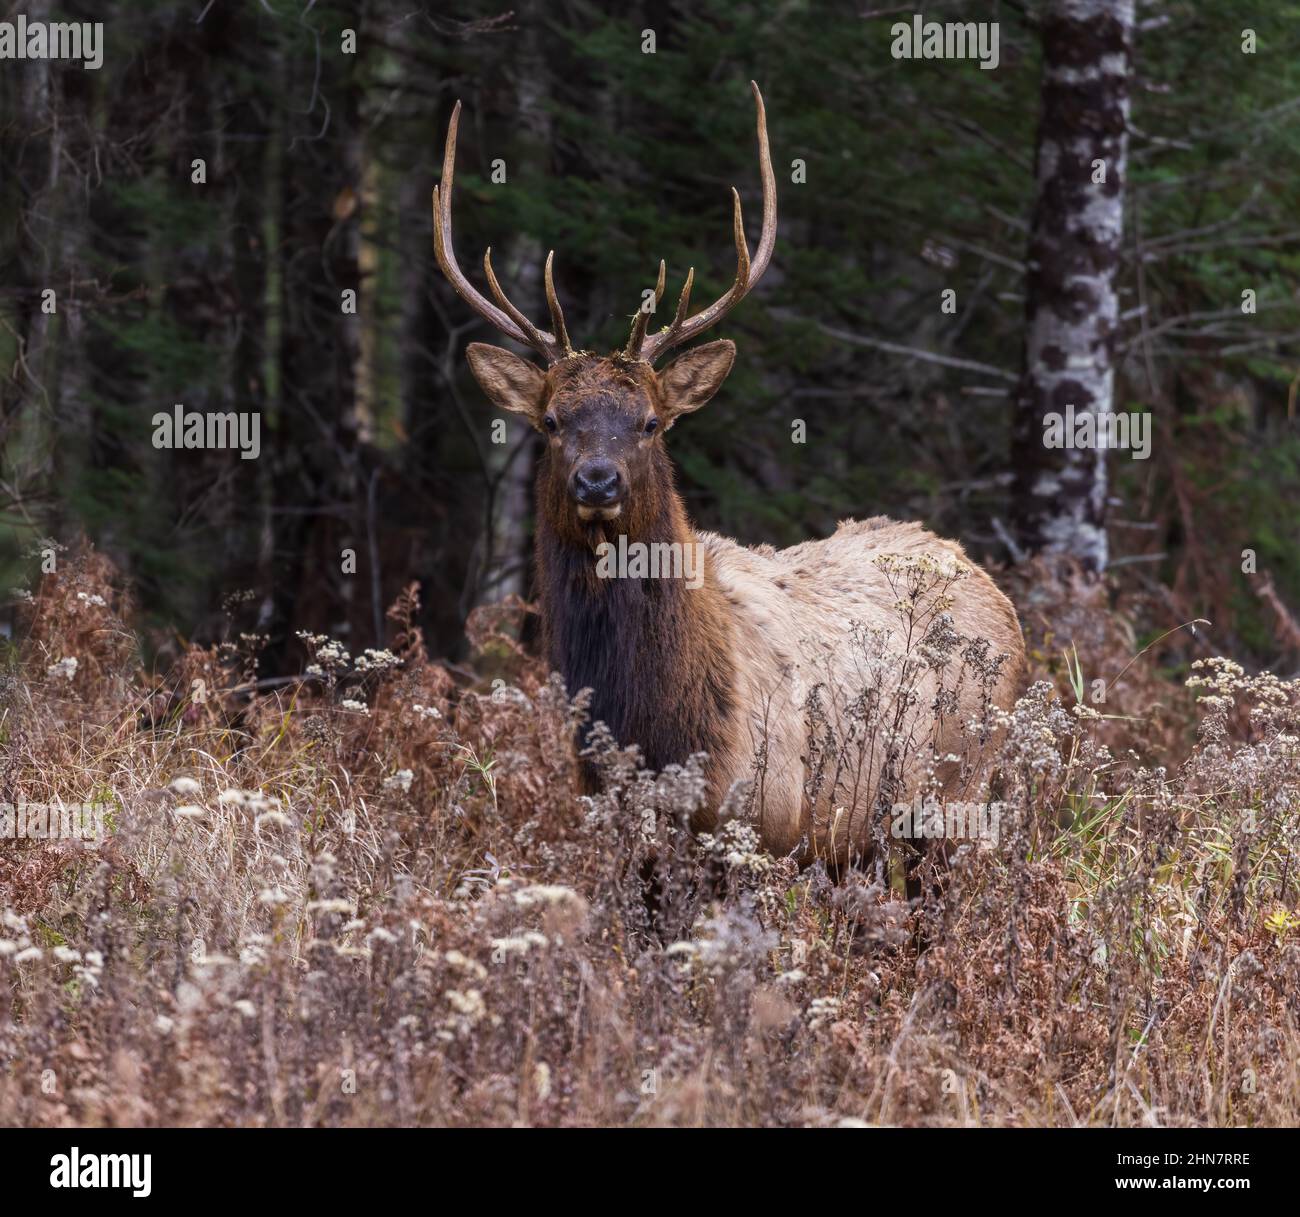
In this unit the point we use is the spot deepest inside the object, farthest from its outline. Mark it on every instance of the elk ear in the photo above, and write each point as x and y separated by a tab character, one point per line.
512	383
694	377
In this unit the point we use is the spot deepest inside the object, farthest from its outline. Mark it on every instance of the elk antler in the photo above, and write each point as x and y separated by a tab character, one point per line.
648	349
508	319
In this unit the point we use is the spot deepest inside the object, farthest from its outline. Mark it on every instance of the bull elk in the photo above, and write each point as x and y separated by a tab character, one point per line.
730	666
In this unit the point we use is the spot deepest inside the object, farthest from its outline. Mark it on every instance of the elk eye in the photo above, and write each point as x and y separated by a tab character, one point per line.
651	425
550	424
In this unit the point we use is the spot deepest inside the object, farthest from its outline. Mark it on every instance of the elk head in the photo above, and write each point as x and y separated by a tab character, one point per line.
604	416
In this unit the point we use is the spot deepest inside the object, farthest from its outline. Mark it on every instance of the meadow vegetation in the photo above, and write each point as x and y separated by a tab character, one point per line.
378	895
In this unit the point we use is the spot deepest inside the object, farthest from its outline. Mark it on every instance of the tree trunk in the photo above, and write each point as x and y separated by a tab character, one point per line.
32	147
1072	306
512	466
317	507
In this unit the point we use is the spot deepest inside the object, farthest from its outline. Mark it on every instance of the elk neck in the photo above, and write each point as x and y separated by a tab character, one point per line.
656	653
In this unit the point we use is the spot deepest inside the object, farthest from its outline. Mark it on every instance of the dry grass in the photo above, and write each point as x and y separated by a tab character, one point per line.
409	914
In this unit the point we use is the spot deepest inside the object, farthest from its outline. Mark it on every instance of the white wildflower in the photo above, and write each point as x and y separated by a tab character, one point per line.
821	1012
332	906
462	963
376	661
547	894
468	1004
736	845
401	780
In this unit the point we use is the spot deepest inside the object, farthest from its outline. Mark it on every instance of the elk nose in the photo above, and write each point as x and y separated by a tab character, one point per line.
597	483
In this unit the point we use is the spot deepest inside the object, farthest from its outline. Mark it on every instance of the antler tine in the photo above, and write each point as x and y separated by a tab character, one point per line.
667	336
747	272
508	319
767	237
642	319
557	313
442	241
683	302
535	338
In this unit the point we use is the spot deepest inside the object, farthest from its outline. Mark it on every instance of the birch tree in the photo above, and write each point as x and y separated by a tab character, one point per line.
1072	305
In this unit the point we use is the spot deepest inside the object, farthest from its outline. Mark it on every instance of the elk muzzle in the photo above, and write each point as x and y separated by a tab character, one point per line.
597	487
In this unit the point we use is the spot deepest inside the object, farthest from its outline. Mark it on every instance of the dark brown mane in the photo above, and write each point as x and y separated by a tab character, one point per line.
656	653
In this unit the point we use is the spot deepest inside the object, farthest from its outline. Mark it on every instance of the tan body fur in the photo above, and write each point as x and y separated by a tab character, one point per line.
790	613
